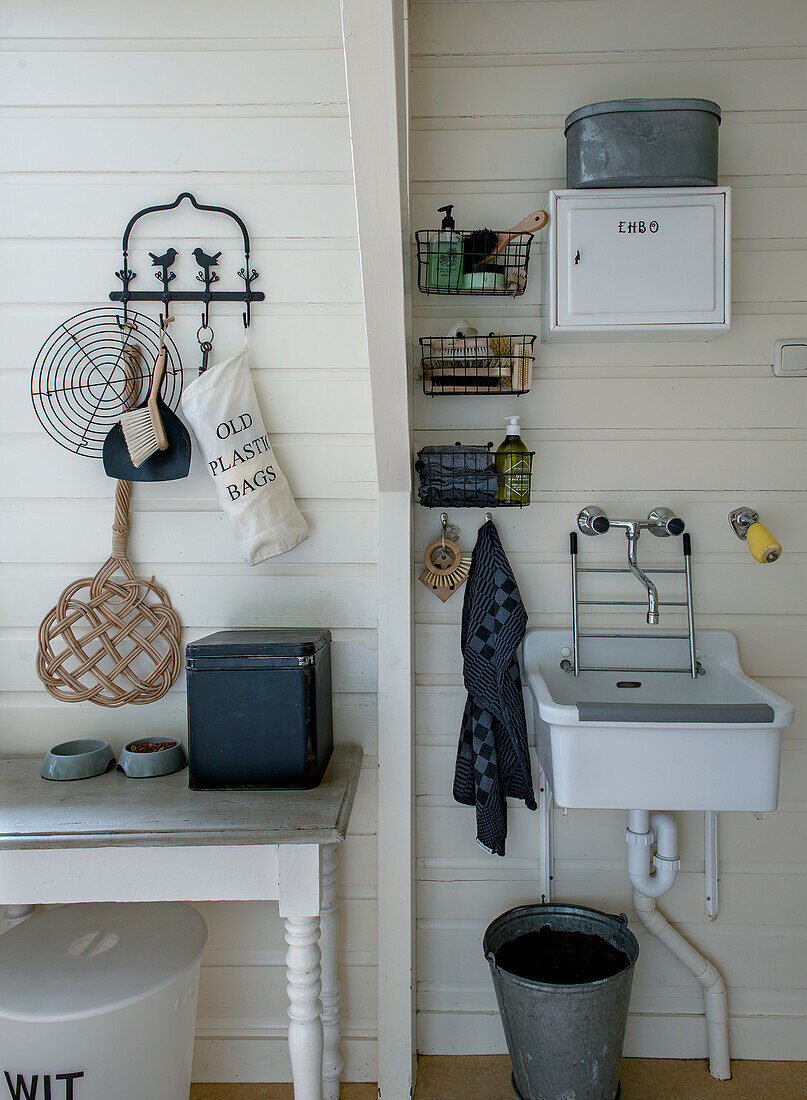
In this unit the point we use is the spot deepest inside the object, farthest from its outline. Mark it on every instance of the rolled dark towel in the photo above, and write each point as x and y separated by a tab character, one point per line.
456	475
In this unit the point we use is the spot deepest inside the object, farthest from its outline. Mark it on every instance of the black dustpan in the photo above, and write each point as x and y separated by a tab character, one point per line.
168	465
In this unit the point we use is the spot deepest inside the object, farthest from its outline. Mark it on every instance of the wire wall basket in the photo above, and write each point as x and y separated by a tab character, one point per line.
470	476
494	364
480	261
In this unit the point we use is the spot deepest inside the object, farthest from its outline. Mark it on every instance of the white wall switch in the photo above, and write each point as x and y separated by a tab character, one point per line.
790	358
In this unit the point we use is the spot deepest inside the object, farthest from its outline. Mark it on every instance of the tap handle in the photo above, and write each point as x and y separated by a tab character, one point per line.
593	521
665	523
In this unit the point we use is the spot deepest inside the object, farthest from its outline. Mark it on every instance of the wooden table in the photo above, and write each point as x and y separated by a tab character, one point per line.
116	839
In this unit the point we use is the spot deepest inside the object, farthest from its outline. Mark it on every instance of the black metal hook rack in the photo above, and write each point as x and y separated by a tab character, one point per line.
207	276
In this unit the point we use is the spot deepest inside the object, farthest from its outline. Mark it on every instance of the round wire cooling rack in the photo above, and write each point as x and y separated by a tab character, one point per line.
81	382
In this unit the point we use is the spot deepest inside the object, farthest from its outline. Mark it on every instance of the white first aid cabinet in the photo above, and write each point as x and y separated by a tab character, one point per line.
98	1002
638	263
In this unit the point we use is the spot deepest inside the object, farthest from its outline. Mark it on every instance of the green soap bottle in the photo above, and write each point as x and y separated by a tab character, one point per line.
512	465
445	255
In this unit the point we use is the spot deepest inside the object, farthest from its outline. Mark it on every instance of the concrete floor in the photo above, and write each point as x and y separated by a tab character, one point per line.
488	1078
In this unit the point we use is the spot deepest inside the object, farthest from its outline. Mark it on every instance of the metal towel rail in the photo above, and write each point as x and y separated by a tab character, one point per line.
575	666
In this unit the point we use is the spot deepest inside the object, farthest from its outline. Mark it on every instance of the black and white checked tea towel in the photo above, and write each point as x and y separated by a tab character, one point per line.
493	760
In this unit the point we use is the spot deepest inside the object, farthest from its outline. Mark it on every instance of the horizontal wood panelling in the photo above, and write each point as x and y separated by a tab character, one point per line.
102	113
588	403
353	654
249	933
58	79
700	427
658	458
719	588
53	206
241	144
339	535
513	89
754	217
439	710
294	275
620	26
647	1036
745	150
209	596
770	645
218	1055
309	402
541	532
749	344
51	20
294	336
748	959
31	721
435	771
746	898
586	838
339	466
252	992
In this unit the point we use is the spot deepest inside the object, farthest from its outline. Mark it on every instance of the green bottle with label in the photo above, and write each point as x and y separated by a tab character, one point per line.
445	255
512	465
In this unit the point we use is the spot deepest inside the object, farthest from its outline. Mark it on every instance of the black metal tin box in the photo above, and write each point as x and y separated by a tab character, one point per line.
259	709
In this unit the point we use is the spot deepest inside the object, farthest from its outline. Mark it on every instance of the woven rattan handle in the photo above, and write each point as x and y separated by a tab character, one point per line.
120	524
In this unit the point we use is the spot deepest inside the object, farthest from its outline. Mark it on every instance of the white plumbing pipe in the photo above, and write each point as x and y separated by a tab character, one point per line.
714	988
646	831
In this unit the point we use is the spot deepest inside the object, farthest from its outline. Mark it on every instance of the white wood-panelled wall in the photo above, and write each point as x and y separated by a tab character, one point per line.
700	427
106	109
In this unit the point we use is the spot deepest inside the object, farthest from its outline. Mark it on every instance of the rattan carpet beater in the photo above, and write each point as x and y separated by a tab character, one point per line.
113	638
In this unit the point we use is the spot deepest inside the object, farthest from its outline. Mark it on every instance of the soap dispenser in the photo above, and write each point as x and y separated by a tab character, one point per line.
445	255
512	465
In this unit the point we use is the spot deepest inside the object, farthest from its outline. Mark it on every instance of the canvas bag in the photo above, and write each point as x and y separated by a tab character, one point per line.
222	408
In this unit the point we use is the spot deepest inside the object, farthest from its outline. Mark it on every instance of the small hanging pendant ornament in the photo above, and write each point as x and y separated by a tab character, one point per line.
446	567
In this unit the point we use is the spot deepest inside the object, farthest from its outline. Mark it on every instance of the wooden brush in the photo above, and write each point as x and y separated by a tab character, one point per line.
143	427
446	568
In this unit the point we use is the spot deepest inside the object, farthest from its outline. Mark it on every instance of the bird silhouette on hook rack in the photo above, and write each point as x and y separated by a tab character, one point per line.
166	260
204	261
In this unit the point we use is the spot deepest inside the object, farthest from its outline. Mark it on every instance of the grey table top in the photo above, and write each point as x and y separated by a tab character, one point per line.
36	813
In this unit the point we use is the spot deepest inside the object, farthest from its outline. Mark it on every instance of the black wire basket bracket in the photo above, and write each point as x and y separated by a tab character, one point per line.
462	261
471	476
489	365
207	276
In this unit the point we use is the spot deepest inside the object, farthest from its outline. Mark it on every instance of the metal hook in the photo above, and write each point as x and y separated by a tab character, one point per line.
248	275
443	526
488	517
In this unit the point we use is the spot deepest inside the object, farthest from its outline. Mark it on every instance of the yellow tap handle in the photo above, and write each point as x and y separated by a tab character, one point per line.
762	544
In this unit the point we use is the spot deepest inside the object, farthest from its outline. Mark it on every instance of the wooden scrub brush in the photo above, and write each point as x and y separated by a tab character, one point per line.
446	568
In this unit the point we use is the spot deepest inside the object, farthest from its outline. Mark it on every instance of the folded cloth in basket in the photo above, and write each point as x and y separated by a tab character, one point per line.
457	475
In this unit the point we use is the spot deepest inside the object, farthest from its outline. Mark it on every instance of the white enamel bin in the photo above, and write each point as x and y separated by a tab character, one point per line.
99	1002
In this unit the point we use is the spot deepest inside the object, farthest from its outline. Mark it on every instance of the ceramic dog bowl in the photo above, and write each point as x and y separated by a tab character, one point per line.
78	759
167	755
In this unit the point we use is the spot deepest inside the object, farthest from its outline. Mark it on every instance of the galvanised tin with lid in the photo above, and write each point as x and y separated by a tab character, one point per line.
643	143
259	709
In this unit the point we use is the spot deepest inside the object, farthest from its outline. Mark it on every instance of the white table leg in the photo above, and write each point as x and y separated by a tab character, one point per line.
305	1023
331	989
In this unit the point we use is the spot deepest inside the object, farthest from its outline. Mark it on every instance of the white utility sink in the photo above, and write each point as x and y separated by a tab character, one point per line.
654	740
